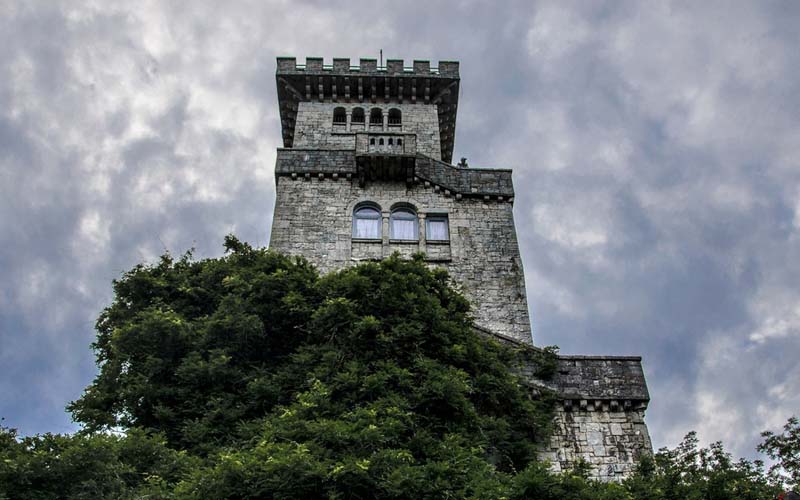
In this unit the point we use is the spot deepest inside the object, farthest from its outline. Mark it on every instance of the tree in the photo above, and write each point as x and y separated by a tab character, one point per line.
89	466
368	382
689	472
785	448
250	376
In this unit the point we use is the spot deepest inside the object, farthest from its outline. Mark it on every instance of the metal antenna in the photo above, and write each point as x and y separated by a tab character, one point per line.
381	64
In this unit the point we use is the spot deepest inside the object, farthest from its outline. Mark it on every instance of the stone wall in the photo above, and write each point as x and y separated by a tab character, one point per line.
599	418
314	217
314	126
610	441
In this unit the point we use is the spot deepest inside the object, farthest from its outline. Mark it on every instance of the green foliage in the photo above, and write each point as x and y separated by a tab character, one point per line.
546	362
785	449
250	376
366	382
689	472
97	466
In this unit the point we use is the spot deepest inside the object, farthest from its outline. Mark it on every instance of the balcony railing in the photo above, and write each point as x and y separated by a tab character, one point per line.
386	144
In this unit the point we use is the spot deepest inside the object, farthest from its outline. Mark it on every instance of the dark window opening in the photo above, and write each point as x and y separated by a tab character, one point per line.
391	141
372	141
358	115
376	116
395	117
339	116
380	141
399	142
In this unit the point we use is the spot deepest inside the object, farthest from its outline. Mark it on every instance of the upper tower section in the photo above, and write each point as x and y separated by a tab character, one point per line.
327	106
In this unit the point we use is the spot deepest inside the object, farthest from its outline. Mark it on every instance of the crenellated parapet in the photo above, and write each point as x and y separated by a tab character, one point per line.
393	67
368	82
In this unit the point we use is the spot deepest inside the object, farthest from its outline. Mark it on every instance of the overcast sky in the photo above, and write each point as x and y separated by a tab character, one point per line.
655	148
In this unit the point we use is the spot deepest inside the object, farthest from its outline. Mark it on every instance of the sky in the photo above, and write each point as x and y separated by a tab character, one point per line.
655	148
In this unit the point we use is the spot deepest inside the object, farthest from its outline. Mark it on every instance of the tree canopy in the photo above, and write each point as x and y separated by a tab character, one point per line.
252	376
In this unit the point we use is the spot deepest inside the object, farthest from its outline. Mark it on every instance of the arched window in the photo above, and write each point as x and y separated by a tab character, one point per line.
372	141
380	141
367	222
399	142
391	141
376	116
403	224
358	115
339	116
395	117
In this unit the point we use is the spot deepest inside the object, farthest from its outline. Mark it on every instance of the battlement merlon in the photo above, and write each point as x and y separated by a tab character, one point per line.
369	83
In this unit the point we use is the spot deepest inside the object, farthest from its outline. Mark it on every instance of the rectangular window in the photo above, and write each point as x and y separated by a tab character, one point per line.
436	228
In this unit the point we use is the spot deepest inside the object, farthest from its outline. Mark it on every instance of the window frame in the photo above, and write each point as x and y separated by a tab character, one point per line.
395	117
362	115
378	218
339	112
376	113
413	216
437	217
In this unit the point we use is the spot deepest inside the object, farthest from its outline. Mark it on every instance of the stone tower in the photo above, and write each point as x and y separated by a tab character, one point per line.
366	171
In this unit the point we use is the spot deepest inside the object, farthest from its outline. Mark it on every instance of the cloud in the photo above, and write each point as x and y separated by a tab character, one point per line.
655	151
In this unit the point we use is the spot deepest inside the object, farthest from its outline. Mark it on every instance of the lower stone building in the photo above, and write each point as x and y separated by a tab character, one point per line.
366	171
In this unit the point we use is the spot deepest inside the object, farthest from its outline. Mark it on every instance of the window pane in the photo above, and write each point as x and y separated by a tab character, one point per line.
437	229
367	228
367	213
404	214
404	229
367	223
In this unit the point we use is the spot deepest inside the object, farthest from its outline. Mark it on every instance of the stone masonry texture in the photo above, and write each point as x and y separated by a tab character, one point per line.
330	168
314	218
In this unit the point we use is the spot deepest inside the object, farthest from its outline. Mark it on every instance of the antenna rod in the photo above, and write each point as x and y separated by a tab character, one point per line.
381	58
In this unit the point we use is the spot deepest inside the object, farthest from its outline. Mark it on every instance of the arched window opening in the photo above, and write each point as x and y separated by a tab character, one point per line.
380	141
436	228
399	142
391	141
371	141
339	116
376	116
367	222
395	117
403	224
358	115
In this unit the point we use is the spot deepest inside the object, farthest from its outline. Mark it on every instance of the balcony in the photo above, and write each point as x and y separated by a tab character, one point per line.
386	144
385	156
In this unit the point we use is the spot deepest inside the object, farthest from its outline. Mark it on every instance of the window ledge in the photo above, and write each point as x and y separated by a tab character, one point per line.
438	259
368	240
404	242
437	242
